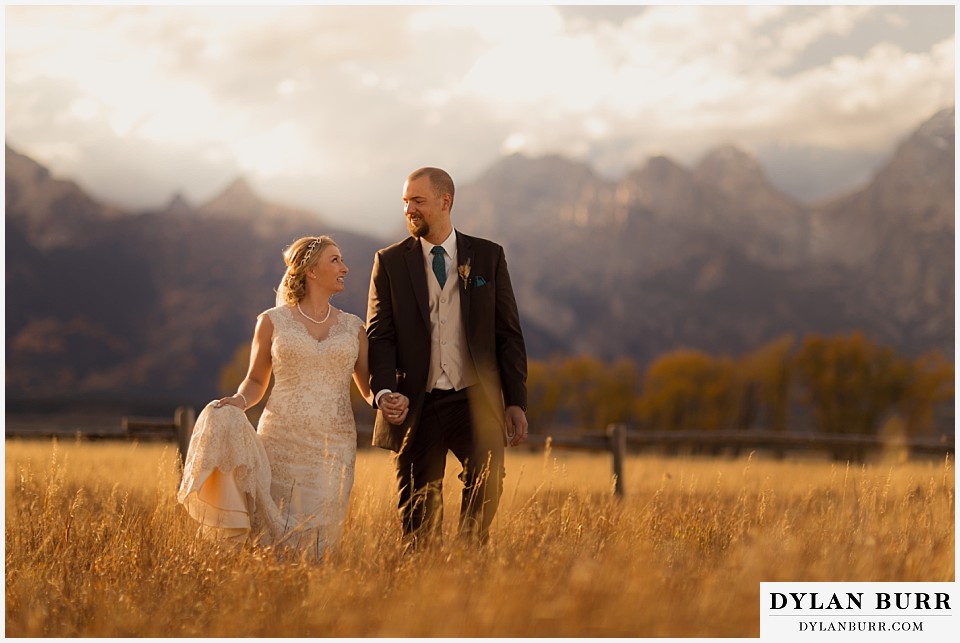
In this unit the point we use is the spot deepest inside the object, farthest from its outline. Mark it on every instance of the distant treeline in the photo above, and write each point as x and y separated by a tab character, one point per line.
845	384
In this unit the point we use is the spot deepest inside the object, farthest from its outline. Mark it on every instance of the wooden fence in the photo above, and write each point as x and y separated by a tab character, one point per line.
181	426
615	440
840	446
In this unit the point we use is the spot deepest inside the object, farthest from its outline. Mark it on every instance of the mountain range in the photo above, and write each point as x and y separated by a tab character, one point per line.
108	306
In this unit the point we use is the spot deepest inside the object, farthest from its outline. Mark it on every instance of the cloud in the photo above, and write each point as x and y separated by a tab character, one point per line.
794	38
328	107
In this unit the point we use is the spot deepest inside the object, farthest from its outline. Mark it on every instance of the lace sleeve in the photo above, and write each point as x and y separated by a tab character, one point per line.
353	323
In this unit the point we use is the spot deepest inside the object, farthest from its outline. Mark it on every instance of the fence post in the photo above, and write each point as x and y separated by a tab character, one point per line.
184	417
617	435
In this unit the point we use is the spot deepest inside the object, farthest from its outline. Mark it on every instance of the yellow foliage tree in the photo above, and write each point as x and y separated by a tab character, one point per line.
596	394
850	382
931	386
581	380
688	389
766	376
582	391
544	393
619	395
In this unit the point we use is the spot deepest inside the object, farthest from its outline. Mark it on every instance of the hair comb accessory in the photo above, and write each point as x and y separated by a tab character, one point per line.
306	255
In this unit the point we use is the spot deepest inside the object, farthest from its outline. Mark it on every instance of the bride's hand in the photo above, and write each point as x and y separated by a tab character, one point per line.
395	408
233	400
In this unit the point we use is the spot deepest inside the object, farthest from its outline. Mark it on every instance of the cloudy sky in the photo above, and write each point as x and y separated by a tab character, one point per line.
329	107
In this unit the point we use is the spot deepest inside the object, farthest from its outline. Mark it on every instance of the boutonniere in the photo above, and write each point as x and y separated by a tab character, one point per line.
464	270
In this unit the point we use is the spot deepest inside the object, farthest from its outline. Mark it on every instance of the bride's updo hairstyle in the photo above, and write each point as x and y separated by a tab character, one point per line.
299	256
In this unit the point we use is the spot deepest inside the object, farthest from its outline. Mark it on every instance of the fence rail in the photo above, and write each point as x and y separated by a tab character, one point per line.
616	440
181	426
780	442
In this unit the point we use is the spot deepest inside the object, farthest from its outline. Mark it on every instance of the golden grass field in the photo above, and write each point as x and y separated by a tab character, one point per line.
96	545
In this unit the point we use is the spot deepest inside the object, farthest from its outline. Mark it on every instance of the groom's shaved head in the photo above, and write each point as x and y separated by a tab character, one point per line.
439	179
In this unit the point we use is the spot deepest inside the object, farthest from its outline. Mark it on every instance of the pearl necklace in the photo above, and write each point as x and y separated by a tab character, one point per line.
326	317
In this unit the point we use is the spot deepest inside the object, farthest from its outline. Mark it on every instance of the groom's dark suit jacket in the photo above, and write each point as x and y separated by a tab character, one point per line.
398	326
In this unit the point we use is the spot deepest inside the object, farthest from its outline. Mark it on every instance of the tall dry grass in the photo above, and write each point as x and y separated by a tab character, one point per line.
97	546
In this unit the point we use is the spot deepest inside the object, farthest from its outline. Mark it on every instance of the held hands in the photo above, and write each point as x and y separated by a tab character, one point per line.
516	421
394	407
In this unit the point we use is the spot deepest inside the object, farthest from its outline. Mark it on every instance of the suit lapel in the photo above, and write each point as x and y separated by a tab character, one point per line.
464	258
418	278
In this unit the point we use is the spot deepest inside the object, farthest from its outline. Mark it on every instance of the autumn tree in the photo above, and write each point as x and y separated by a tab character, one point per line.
931	385
618	397
581	379
582	390
689	389
544	394
850	382
765	377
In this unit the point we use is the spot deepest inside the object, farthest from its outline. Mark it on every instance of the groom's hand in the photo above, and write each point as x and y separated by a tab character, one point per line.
394	407
516	421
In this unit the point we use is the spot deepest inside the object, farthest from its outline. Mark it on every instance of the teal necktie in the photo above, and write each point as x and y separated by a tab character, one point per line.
439	265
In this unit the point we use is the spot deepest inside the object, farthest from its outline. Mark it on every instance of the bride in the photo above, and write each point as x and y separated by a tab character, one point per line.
287	482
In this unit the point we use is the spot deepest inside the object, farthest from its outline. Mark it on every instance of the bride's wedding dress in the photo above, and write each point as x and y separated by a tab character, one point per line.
287	482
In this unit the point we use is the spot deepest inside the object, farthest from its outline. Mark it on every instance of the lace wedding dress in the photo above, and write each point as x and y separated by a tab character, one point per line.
288	482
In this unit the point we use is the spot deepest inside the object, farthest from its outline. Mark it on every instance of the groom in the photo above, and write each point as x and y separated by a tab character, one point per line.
444	331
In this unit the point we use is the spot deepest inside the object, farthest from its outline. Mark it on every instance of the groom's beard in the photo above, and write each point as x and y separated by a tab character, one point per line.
418	230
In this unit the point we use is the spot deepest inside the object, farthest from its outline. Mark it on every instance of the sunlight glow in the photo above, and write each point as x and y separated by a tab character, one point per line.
278	151
514	143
